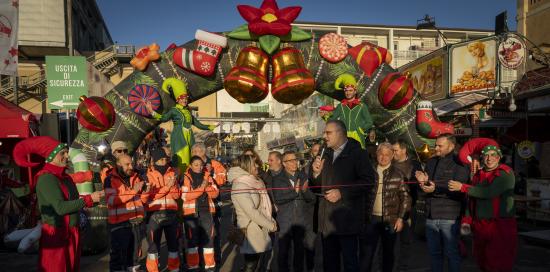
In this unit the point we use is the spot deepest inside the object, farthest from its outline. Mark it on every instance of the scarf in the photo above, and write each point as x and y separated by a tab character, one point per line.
162	169
351	102
259	187
196	179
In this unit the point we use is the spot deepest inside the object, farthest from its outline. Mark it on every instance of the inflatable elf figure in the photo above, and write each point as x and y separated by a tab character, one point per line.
354	113
181	139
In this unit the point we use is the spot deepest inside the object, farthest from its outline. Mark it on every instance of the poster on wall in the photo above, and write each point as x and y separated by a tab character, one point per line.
428	75
473	66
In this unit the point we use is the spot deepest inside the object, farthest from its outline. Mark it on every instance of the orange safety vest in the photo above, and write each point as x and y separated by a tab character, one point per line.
104	173
161	197
123	202
190	195
220	174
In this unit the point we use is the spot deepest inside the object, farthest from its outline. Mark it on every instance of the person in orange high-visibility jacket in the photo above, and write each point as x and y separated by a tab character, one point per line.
198	194
123	194
217	171
162	210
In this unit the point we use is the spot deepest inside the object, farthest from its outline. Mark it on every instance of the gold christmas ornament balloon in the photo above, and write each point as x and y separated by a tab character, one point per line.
247	81
292	81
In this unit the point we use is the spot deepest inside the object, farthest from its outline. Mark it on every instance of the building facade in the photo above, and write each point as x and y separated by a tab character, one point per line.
62	28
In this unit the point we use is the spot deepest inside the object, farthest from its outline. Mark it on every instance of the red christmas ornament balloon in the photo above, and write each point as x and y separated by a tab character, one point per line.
395	91
95	113
369	56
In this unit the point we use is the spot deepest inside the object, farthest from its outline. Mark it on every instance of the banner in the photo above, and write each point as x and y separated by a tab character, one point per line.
67	81
9	13
473	66
429	76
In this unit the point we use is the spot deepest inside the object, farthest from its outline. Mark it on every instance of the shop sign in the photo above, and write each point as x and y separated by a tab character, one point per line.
526	149
511	52
463	132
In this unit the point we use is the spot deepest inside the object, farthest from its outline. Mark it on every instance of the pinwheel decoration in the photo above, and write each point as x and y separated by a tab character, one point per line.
140	95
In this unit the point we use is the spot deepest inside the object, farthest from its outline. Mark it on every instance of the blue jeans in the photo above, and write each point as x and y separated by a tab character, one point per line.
443	234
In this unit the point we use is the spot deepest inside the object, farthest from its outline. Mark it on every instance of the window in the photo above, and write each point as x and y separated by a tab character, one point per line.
395	45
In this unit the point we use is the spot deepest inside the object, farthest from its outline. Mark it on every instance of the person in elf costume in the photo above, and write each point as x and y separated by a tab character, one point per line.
181	139
58	201
354	113
491	212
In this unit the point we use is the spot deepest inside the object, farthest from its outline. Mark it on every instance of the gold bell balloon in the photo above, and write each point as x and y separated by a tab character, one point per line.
424	152
95	113
292	81
395	90
247	81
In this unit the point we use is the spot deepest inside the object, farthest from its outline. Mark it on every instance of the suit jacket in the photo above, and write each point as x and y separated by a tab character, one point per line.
292	207
353	170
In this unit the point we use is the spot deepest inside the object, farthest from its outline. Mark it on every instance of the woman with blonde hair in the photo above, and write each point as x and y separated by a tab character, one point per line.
253	209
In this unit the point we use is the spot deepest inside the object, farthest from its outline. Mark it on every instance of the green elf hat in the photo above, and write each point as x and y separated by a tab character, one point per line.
45	146
176	87
488	148
345	80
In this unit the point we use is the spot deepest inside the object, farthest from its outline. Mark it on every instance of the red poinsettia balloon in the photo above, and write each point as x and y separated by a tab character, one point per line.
269	19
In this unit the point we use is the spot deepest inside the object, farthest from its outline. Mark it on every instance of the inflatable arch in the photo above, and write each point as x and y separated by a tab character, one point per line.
132	127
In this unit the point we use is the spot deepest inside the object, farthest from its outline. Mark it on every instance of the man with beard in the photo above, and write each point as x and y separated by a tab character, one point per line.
118	148
123	191
443	207
58	201
352	111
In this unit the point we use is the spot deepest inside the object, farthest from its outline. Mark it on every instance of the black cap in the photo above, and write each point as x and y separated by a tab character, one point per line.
157	154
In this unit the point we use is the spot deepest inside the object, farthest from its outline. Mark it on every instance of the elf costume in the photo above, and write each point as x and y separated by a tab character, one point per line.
491	213
181	138
59	204
354	113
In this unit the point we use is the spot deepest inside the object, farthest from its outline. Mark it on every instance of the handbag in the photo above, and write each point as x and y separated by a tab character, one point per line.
236	235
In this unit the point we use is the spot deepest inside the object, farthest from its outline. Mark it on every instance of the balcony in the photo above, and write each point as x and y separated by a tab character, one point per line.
409	54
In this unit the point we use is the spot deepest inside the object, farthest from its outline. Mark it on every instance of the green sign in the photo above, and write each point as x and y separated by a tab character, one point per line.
67	81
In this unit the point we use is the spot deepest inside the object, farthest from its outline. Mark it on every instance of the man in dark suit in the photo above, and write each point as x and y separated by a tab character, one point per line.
344	172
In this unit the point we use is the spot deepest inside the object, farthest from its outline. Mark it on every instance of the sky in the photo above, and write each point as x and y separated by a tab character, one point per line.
141	22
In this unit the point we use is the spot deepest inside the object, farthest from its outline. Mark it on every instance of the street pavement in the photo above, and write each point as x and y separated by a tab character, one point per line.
531	257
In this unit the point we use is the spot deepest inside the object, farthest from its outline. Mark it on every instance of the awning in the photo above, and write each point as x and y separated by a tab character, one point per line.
534	129
534	83
17	118
449	105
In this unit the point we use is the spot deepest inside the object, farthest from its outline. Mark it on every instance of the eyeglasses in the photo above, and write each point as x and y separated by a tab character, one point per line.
291	160
121	151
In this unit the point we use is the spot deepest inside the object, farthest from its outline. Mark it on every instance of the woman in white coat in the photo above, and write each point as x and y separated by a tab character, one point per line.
253	209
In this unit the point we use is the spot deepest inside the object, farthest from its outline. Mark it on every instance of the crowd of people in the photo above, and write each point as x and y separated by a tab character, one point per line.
359	210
